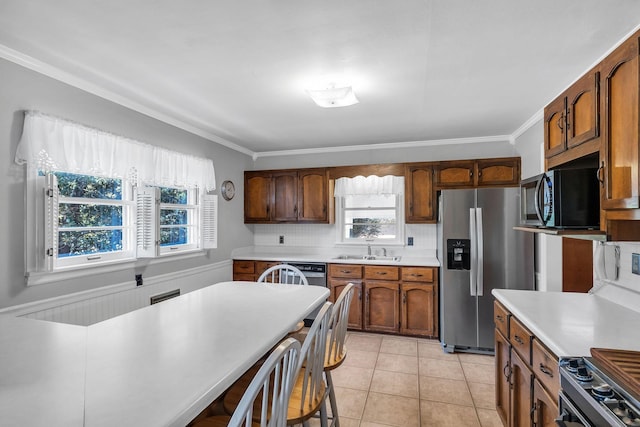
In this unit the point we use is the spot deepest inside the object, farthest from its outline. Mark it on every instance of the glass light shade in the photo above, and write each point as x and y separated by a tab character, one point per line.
333	96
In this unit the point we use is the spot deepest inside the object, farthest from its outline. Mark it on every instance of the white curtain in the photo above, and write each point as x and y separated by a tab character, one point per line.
370	185
53	144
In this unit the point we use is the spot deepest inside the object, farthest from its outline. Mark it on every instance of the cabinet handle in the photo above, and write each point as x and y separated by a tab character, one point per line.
567	121
499	318
545	370
506	371
600	174
559	122
416	275
360	296
404	298
470	174
381	273
345	271
518	340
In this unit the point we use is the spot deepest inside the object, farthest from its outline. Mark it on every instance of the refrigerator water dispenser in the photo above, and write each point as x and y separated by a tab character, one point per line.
458	254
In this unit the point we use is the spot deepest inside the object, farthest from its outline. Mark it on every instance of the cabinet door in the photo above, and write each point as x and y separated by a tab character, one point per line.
416	309
419	201
381	311
313	195
458	174
582	119
257	197
620	127
498	172
503	375
355	310
555	137
520	392
285	196
545	407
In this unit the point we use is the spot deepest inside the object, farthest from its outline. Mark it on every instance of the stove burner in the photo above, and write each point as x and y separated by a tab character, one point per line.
573	365
602	392
582	374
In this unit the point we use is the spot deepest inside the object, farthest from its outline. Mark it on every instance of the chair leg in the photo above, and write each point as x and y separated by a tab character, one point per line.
323	414
332	400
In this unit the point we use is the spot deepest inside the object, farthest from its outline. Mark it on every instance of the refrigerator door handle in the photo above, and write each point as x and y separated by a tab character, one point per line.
474	253
480	254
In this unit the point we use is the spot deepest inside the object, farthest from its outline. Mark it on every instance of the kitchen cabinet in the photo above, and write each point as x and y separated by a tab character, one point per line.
250	270
526	374
287	196
620	123
419	194
419	296
389	299
339	276
381	307
573	119
496	172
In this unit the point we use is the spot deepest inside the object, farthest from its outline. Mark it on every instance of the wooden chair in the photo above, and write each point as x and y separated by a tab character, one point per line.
283	273
309	392
266	399
336	351
287	274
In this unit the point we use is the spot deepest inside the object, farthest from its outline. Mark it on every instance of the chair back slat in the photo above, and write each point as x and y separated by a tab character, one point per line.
272	385
283	273
338	324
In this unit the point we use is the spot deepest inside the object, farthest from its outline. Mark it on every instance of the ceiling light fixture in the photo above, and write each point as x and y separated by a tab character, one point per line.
333	96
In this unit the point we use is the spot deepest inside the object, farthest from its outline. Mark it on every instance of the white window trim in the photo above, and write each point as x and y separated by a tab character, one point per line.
340	218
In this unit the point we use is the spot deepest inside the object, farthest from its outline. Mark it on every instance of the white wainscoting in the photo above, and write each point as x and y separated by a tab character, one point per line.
86	308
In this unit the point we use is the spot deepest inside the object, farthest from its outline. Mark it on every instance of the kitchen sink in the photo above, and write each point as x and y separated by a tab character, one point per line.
368	257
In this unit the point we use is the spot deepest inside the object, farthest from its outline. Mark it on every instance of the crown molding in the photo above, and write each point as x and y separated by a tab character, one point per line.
55	73
383	146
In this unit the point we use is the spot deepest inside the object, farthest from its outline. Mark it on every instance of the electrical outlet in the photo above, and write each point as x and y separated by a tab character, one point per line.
138	279
281	240
635	263
410	241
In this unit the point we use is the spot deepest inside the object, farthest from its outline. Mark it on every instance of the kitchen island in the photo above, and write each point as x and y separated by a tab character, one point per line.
160	365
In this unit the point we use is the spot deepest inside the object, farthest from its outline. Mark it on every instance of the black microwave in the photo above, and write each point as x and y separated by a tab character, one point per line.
561	198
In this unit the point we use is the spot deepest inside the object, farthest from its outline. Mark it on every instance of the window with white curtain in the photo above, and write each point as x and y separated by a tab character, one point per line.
94	197
370	209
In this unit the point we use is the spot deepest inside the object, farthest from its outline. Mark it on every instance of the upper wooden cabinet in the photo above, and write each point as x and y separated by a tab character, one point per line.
286	196
573	119
619	154
419	194
498	172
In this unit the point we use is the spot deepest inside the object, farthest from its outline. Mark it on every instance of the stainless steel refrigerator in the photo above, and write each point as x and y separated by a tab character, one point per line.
479	251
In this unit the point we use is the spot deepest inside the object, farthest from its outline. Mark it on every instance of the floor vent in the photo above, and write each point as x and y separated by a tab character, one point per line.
165	296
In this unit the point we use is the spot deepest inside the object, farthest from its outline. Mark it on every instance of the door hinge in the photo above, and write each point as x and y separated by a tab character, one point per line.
49	192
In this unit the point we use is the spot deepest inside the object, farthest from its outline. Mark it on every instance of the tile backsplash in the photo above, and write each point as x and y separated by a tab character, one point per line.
325	235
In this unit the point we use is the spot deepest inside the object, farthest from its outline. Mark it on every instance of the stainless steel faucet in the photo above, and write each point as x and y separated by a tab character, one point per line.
384	251
369	249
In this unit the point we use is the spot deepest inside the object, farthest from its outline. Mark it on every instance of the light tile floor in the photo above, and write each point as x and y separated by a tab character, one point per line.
399	381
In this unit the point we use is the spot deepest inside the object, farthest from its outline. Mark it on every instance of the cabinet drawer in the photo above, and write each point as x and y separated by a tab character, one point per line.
245	277
501	318
348	271
244	267
375	272
545	367
418	274
520	339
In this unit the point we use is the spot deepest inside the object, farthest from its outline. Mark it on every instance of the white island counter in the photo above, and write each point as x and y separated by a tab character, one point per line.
157	366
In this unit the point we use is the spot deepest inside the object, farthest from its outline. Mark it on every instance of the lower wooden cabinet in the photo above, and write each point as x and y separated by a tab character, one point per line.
382	306
526	377
355	311
250	270
398	300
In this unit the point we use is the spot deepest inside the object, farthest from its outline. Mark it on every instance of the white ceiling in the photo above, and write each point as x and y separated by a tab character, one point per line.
235	71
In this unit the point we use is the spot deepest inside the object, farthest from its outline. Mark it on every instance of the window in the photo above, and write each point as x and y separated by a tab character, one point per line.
368	211
88	219
87	203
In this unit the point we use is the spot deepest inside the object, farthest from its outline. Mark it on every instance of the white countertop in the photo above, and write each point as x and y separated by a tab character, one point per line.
570	324
423	258
157	366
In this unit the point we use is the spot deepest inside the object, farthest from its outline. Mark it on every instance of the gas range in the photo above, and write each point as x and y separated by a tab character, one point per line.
591	396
